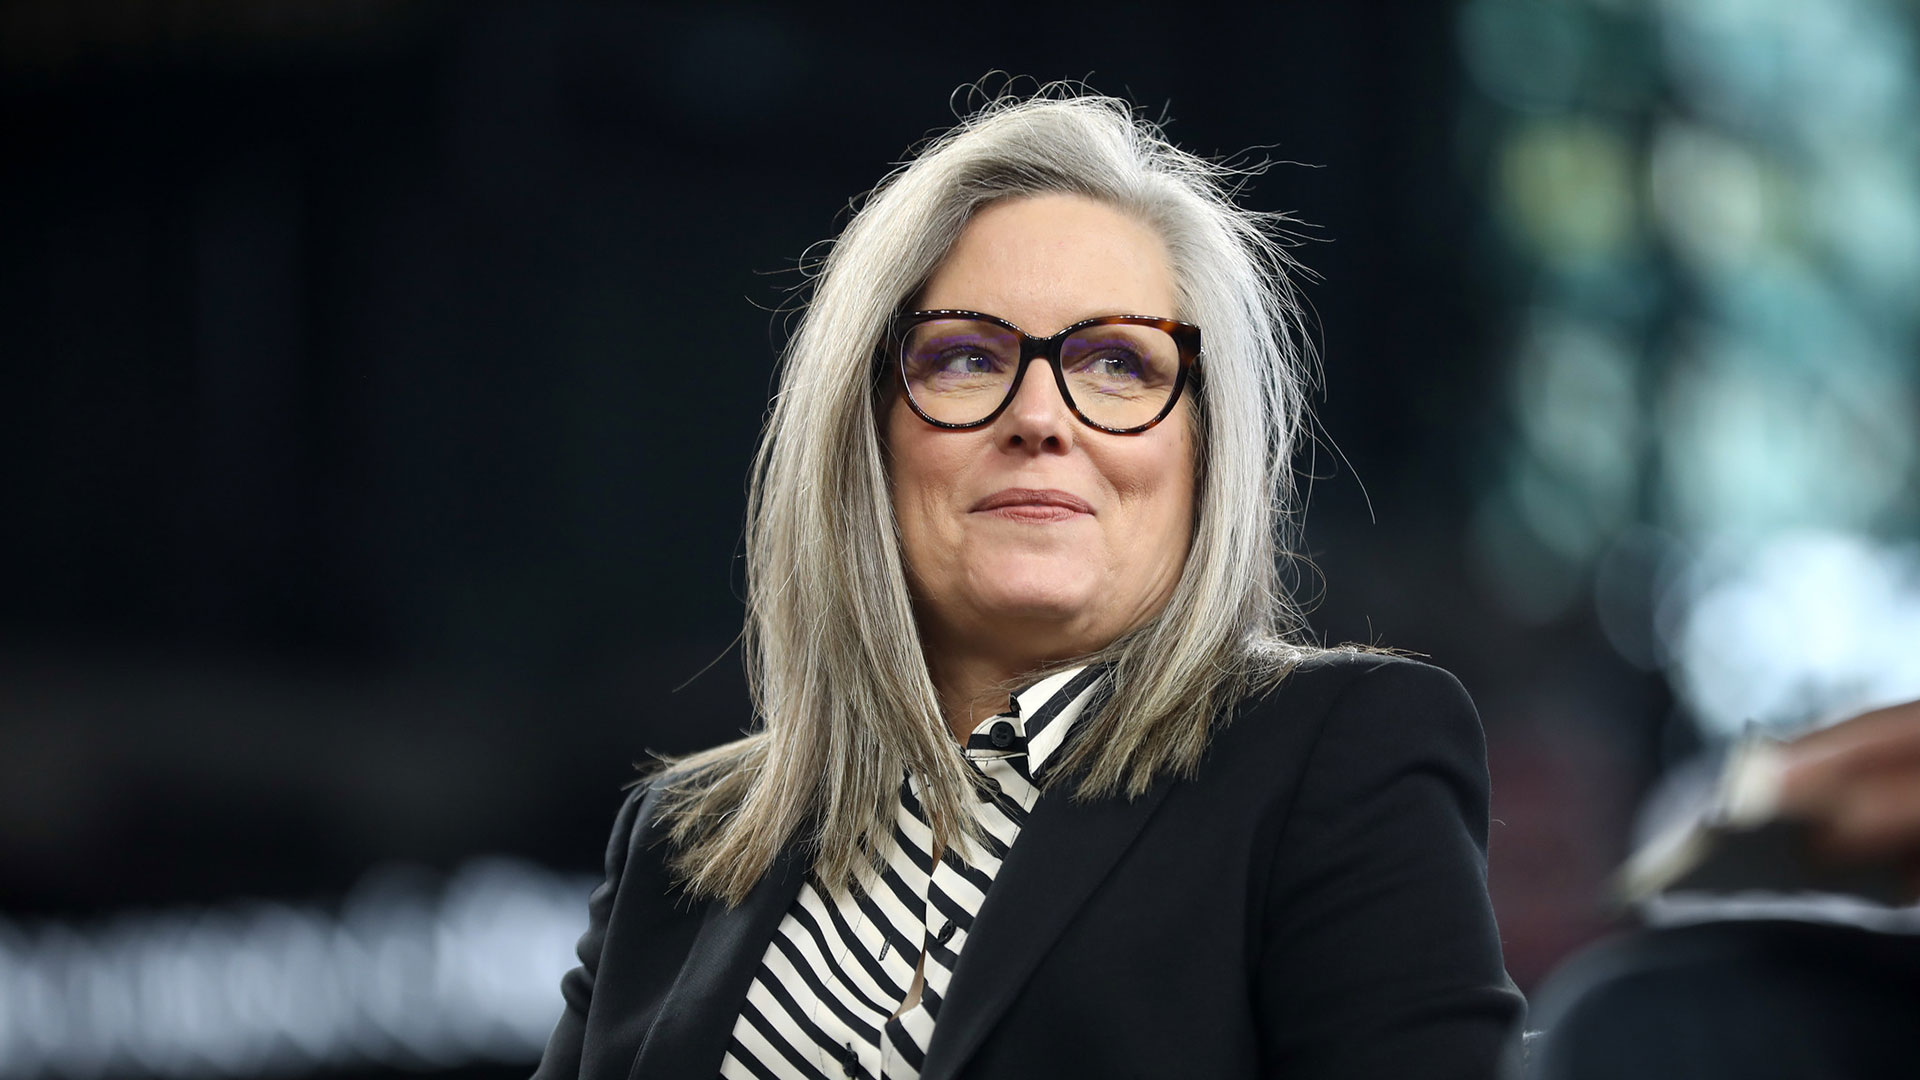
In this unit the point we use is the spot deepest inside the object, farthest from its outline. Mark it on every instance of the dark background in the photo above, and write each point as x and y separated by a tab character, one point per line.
381	378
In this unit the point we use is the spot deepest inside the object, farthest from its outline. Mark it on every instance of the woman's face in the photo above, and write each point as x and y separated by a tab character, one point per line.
1035	537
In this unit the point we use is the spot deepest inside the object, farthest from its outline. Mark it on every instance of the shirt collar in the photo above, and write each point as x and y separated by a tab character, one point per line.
1038	718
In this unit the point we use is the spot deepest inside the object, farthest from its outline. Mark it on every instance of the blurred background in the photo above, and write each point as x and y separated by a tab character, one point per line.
381	378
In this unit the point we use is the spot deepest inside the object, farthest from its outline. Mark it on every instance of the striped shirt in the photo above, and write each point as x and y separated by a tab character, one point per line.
851	984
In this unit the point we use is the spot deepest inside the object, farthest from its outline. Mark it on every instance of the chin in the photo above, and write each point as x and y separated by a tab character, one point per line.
1041	590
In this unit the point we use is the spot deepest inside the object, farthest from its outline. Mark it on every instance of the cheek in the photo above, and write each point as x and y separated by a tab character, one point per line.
1167	486
1177	506
914	477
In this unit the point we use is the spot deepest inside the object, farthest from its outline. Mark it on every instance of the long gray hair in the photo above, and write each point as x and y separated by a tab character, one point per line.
845	706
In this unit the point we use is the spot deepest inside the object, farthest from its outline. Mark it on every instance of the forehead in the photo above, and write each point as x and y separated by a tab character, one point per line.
1045	262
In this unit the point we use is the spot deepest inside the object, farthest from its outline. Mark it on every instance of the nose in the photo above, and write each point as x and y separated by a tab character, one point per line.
1037	419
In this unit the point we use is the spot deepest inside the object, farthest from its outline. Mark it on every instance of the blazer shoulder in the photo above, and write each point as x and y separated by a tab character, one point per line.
630	826
1340	679
637	843
1387	706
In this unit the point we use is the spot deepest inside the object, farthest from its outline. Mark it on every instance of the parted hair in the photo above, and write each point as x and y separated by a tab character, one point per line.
844	705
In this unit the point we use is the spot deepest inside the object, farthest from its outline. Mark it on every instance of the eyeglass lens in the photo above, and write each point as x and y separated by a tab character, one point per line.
1118	375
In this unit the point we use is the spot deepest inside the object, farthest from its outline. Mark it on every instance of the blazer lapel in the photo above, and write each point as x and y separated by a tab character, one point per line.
690	1036
1061	856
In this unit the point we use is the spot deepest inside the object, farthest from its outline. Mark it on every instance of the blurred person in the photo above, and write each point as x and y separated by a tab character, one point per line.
1858	784
1044	778
1758	986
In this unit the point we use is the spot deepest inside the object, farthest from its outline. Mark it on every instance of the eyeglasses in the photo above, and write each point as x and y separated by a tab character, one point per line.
1118	373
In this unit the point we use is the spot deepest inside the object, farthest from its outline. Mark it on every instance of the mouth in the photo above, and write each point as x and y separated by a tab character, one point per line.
1034	505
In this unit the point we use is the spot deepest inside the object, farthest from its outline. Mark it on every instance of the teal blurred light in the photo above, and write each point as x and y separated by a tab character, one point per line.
1711	216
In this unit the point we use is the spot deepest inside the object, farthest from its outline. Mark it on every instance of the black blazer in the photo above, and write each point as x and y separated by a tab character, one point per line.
1312	904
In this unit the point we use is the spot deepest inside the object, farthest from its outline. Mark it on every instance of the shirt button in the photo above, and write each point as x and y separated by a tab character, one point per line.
1002	735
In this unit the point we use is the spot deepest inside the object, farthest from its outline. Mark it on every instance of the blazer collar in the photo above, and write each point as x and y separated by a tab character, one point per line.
690	1035
1063	853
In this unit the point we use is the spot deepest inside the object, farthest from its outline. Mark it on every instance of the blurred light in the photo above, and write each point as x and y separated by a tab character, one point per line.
1865	205
1524	53
414	972
1725	55
1708	196
1870	91
1629	577
1567	189
1554	512
1753	441
1791	67
1766	314
1577	402
1806	627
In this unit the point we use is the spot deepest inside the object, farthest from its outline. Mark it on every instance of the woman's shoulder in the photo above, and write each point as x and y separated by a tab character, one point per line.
1356	752
634	824
1332	677
1385	704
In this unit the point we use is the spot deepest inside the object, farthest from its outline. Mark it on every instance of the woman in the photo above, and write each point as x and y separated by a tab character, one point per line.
1043	781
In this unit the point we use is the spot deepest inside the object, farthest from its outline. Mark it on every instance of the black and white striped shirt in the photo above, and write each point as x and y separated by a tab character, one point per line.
836	994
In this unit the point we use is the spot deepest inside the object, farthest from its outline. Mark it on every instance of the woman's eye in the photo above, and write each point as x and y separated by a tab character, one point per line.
966	362
1115	366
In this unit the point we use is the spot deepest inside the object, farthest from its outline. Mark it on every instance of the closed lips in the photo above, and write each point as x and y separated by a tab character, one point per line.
1038	499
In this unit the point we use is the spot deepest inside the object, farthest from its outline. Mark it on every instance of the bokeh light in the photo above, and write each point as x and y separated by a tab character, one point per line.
411	971
1723	451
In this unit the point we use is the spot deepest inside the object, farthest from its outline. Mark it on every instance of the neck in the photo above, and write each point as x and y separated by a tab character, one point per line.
972	688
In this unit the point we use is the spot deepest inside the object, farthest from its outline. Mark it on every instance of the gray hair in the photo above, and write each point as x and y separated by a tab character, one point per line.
845	705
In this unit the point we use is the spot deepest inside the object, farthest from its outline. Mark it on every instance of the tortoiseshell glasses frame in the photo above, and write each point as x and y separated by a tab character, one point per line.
906	328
